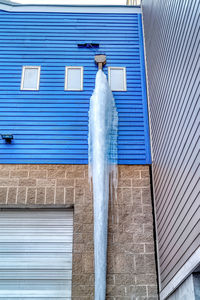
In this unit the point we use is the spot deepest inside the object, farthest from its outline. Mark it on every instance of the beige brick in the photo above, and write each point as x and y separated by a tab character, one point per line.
147	209
27	182
46	167
8	182
27	167
78	248
124	279
31	195
46	182
19	174
50	195
65	182
127	196
137	291
124	263
146	279
124	237
115	290
149	248
8	167
83	290
89	246
140	182
148	228
78	227
59	195
150	263
40	195
88	227
77	237
146	196
110	279
146	237
132	248
128	211
77	168
152	291
124	182
151	298
21	195
86	298
56	173
81	183
3	195
140	264
12	195
83	279
119	199
75	174
136	196
88	198
37	174
88	259
128	172
69	195
145	174
77	263
143	219
87	237
4	173
79	195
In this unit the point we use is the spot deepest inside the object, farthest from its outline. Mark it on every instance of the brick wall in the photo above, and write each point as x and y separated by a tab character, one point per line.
131	260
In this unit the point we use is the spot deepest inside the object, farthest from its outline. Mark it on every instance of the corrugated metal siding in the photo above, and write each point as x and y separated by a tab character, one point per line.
171	36
51	125
36	254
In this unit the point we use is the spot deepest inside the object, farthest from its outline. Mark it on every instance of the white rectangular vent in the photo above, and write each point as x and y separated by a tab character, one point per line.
73	78
30	78
117	78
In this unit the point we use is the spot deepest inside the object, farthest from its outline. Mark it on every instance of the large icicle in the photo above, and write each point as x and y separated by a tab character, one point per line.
103	128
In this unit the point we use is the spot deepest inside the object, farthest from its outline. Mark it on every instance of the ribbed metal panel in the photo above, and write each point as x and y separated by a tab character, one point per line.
51	125
172	46
36	254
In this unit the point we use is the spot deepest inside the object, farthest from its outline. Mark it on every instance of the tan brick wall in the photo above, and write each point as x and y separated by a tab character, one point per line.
131	260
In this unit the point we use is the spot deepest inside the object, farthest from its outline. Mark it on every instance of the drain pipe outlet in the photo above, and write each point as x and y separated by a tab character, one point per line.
100	60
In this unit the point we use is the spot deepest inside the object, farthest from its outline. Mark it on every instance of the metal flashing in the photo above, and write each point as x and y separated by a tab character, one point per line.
16	7
181	275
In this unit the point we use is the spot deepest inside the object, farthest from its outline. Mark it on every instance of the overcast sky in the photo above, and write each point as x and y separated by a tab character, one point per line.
75	2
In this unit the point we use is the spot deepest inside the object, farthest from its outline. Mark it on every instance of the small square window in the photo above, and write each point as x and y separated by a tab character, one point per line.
73	78
117	78
30	78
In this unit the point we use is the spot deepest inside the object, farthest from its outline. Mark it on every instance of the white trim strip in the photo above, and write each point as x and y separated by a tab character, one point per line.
71	9
182	274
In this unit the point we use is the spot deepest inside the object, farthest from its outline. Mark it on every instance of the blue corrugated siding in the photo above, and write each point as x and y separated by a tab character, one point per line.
51	125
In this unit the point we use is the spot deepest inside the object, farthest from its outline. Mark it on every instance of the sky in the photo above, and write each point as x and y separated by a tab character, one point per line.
75	2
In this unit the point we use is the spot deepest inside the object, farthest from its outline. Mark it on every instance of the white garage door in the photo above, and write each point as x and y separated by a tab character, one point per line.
36	254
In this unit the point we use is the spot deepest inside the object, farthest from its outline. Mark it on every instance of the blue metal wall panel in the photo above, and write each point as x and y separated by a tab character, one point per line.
51	125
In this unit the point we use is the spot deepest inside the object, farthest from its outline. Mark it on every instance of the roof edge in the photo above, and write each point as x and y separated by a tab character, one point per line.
18	7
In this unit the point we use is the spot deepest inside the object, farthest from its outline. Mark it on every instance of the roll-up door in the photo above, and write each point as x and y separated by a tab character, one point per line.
36	254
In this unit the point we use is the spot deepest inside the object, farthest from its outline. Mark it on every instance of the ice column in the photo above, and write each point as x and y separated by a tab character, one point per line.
102	140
